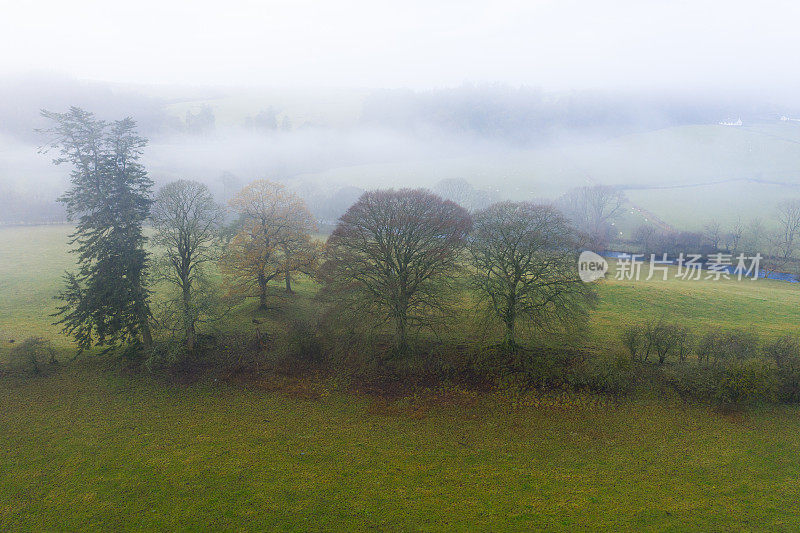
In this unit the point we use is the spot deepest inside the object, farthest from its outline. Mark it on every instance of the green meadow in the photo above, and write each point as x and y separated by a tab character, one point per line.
91	447
85	451
35	258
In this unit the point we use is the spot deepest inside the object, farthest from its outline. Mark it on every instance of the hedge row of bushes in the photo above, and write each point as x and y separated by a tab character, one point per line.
727	367
663	341
731	366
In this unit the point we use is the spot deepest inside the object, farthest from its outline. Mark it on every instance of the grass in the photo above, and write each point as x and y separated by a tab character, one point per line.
30	274
83	450
88	448
768	307
32	261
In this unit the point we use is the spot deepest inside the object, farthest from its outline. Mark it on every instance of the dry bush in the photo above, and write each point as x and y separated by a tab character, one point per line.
33	355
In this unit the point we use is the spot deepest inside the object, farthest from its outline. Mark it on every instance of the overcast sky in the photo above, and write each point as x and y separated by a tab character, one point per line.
557	44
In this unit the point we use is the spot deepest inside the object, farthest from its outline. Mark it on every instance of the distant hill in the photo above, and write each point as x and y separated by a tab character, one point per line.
685	174
671	156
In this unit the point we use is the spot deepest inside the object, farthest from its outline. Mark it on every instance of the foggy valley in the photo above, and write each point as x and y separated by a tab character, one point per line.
432	265
512	142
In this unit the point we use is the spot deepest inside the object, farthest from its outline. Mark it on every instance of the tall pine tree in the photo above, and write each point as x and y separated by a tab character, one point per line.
106	301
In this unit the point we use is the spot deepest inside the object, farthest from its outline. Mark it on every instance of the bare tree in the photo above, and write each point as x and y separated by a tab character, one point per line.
733	238
524	258
688	242
458	190
391	256
658	337
463	193
594	210
186	221
301	254
713	234
645	236
786	240
754	236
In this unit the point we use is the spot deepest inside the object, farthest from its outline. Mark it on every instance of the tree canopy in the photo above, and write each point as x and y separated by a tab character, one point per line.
186	220
274	222
524	258
391	256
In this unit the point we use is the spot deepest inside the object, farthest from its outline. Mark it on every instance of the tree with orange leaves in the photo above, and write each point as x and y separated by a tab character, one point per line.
300	255
274	225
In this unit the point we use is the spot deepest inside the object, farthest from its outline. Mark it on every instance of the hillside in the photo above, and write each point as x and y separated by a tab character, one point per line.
686	175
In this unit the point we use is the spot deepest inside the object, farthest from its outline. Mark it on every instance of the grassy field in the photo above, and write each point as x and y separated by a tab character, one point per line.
34	259
32	262
91	448
83	451
767	307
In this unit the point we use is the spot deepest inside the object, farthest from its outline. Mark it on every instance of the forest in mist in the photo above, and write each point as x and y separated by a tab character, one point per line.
330	144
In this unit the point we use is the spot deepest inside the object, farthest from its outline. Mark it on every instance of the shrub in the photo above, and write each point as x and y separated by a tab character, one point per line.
744	382
788	386
737	344
640	339
164	354
691	382
725	346
663	339
633	339
240	352
604	374
33	355
684	342
706	346
657	337
784	350
546	366
303	342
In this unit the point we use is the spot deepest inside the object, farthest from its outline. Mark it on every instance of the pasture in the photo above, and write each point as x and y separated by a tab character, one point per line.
89	447
35	258
82	450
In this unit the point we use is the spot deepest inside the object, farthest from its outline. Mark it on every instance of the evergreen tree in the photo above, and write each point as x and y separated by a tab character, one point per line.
105	302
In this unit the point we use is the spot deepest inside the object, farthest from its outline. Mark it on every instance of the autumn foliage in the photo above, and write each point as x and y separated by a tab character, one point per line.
274	239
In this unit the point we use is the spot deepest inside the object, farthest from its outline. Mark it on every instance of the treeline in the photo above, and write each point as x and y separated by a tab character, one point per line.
776	239
732	366
398	262
527	115
405	281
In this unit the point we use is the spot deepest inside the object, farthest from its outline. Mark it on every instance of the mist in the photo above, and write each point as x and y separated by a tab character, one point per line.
690	101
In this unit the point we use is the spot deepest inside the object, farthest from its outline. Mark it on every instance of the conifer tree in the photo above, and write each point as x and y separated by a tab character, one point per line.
106	301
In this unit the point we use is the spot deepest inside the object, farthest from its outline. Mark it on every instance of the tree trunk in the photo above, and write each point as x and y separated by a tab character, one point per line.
510	319
401	342
143	314
262	291
147	336
289	282
190	338
188	320
510	340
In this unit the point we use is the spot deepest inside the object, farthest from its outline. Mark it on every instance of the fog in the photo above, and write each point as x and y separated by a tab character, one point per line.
554	44
520	99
